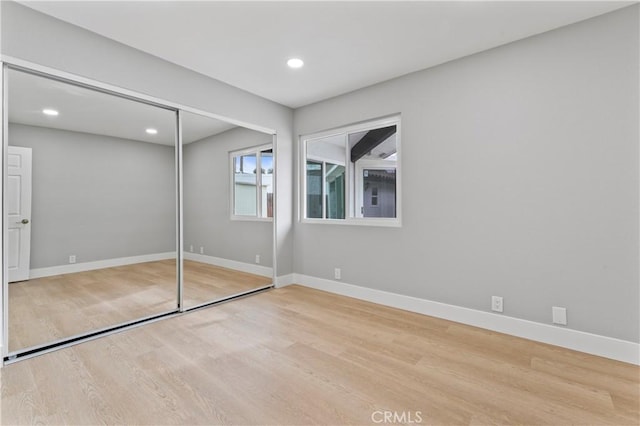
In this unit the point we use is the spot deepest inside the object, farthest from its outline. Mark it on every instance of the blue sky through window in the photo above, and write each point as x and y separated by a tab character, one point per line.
247	163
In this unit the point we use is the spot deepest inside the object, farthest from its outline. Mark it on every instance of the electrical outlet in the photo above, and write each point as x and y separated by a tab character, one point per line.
496	303
201	250
257	258
72	258
191	248
337	273
559	315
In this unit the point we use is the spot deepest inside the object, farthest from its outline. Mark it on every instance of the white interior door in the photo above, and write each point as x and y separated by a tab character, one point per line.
19	212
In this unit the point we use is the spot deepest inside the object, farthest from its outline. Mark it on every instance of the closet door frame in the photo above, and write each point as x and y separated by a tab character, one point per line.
7	63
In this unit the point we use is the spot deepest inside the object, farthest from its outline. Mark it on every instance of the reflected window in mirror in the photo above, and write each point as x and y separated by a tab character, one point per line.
226	168
252	183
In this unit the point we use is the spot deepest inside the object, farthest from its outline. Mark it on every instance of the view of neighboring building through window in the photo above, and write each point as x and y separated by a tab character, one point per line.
252	171
352	173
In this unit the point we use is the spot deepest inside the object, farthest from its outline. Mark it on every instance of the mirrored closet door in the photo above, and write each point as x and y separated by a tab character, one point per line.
91	210
228	183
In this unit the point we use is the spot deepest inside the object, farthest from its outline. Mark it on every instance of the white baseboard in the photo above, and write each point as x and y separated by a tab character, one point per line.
608	347
99	264
265	271
284	280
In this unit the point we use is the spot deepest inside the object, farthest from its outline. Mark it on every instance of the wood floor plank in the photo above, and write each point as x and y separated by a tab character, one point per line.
46	309
296	356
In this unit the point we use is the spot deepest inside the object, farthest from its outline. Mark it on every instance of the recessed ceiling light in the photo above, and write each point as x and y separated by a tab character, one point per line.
49	111
295	63
151	131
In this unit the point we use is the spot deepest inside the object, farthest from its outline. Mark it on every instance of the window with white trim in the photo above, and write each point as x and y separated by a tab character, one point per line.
252	183
352	174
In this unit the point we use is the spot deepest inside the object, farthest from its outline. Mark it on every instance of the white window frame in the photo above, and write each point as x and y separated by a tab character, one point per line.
352	191
257	151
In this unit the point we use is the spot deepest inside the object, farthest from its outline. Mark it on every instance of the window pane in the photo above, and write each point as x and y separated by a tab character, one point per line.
374	153
314	189
353	174
326	174
374	145
266	191
245	182
379	193
334	187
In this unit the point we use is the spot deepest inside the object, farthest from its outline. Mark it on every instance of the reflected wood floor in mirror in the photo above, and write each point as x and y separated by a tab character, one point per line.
204	283
300	356
52	308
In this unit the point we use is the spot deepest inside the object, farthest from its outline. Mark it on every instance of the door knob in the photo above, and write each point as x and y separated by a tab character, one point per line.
24	221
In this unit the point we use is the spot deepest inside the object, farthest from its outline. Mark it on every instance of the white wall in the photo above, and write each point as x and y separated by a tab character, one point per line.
520	179
207	219
97	197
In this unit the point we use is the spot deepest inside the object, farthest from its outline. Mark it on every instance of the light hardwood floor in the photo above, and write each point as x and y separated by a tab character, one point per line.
51	308
301	356
203	283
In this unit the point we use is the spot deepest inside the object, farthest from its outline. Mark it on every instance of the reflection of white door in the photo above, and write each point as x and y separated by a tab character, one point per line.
19	212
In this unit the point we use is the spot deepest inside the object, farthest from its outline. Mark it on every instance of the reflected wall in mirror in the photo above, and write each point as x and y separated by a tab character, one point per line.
228	209
91	210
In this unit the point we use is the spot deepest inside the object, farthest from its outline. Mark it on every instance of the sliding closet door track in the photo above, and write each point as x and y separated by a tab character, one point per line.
229	298
81	338
74	340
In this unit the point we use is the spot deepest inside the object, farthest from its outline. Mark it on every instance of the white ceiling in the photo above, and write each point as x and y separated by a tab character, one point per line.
88	111
345	45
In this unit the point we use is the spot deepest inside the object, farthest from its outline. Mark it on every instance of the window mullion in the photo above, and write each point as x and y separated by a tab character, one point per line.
324	189
258	183
348	184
